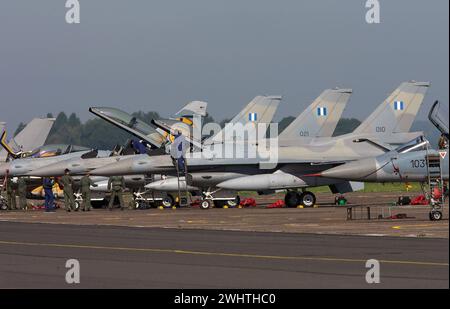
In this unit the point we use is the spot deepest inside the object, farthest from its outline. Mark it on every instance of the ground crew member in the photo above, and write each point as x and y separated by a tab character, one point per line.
116	185
10	196
49	197
67	182
86	183
22	192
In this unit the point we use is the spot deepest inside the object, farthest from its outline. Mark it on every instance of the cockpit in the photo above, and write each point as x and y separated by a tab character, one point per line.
123	118
417	144
54	150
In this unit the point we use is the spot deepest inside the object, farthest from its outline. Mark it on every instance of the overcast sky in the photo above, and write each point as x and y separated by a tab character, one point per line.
157	55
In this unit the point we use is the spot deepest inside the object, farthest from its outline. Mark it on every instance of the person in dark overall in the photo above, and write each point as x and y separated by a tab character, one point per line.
48	192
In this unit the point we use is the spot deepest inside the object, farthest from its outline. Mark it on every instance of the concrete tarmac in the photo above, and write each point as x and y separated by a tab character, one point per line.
33	255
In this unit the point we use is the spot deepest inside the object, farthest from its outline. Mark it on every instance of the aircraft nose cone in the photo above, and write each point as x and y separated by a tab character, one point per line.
153	185
358	170
101	186
124	167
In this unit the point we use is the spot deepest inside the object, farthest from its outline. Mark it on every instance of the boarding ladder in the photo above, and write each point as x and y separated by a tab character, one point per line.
182	178
435	180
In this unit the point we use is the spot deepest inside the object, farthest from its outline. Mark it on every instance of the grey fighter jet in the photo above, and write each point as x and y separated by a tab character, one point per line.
408	162
414	161
151	136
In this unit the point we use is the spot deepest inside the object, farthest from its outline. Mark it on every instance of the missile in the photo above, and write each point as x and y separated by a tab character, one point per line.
278	180
170	184
136	181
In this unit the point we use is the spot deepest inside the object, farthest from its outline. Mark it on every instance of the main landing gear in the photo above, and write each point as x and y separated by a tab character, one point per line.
294	199
435	215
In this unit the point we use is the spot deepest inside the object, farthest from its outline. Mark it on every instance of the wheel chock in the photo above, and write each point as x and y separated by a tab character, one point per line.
300	206
225	207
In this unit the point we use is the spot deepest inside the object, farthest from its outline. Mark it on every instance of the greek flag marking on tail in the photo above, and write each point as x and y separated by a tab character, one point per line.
321	111
252	116
399	105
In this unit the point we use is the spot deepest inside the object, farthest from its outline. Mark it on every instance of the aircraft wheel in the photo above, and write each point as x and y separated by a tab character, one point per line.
205	204
307	199
292	199
168	201
435	215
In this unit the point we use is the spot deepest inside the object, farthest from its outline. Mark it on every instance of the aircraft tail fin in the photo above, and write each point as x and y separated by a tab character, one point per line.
320	118
397	113
260	110
32	136
194	108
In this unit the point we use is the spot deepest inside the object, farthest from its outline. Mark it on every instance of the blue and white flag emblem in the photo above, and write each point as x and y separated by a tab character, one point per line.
321	111
252	116
399	105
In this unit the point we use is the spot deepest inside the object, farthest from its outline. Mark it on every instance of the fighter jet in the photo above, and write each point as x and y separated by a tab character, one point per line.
153	138
32	136
387	126
414	161
403	164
